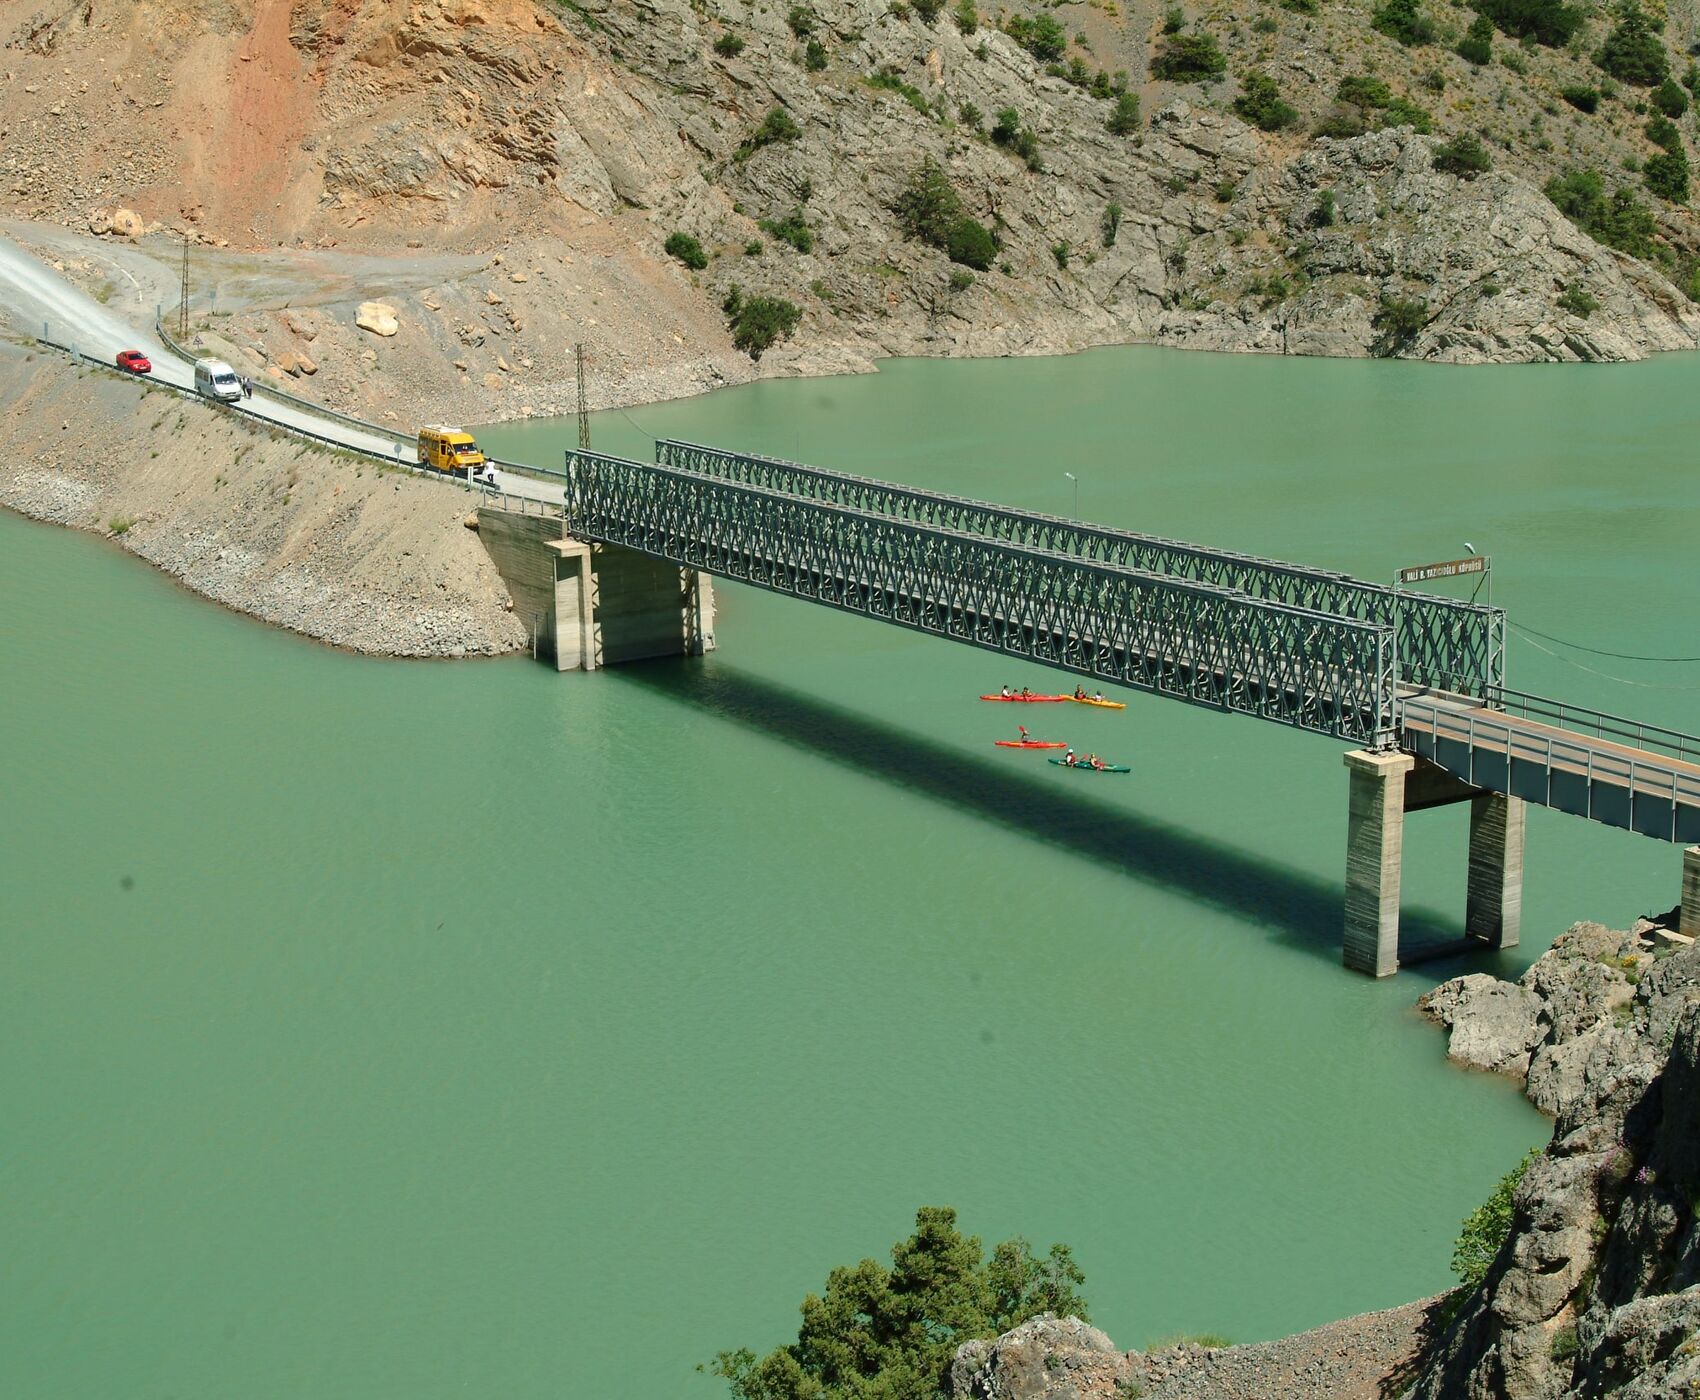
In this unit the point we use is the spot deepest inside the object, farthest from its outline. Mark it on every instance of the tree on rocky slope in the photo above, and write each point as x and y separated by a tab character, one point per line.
890	1333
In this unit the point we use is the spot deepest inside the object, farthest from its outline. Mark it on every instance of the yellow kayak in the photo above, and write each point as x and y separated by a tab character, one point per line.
1101	704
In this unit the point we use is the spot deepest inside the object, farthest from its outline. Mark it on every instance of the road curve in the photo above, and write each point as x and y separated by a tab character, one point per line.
44	303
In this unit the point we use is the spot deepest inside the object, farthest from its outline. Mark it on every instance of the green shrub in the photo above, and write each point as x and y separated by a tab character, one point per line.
1362	90
757	322
1399	320
777	125
1485	1229
1124	116
1007	131
1041	36
1666	175
1670	98
728	45
1174	19
927	207
1060	251
887	81
753	248
687	250
1323	215
1575	299
1632	52
961	279
1662	132
892	1332
971	243
928	10
967	17
1583	99
1401	111
1111	223
814	56
1225	191
119	525
1565	1345
1260	102
1463	156
1545	21
970	116
1477	44
792	229
802	21
1303	7
1405	21
1189	58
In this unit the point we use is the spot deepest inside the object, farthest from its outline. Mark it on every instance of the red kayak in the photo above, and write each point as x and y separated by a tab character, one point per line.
1027	744
1029	699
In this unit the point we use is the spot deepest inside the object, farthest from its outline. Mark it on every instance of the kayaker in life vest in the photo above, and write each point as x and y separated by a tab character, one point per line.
1080	692
1096	762
1006	692
1026	694
1023	729
1097	695
1068	758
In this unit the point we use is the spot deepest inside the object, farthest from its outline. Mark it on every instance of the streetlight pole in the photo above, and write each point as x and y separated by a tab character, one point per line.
1076	480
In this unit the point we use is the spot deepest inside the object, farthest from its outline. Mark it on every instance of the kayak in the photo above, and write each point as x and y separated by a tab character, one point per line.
1029	699
1027	744
1101	704
1088	768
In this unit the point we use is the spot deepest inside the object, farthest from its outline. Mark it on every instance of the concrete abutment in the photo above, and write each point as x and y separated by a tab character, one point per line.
1688	921
587	606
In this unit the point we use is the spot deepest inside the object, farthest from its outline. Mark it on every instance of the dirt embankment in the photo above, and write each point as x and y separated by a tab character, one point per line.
317	541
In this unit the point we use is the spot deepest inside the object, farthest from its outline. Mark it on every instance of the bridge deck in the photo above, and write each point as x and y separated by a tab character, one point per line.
1637	789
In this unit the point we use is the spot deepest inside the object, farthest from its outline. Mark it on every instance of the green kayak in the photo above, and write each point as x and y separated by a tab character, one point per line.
1082	766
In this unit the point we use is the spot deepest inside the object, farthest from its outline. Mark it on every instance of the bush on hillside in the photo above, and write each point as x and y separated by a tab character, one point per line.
1401	111
1399	320
1189	58
777	125
1619	221
687	250
1477	44
728	46
891	1333
757	323
1363	90
1670	98
928	205
1041	36
1124	116
1260	103
1582	98
1666	175
1663	133
1405	21
1547	22
1633	53
1486	1228
1463	156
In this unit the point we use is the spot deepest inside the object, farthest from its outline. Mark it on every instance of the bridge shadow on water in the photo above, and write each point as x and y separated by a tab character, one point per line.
1300	910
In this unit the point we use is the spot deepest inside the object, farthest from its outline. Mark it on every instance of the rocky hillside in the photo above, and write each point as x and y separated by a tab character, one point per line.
1597	1290
1241	177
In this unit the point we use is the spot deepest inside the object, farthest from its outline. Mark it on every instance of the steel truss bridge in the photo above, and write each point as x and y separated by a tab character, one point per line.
1310	648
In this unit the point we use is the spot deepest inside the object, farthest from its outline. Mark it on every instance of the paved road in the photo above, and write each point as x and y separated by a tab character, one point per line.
41	301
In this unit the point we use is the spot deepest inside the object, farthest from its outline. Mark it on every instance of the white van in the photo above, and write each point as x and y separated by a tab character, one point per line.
217	380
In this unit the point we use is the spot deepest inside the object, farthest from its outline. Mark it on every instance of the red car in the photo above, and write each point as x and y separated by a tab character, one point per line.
135	362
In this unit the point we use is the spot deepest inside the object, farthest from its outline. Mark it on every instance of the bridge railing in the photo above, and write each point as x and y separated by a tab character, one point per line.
1190	640
1447	643
1614	728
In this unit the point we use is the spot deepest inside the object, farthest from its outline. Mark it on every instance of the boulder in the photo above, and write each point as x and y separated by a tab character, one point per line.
1494	1025
126	223
378	317
1046	1358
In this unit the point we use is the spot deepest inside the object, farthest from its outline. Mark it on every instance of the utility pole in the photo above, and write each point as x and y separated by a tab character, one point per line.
583	408
183	296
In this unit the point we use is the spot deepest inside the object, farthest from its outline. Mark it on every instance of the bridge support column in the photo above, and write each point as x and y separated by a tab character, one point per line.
1375	845
1493	905
1688	921
646	607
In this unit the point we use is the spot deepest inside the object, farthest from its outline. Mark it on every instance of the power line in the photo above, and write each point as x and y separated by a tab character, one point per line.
1607	675
1596	651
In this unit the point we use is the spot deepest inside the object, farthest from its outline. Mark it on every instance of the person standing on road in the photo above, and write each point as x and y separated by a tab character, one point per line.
247	387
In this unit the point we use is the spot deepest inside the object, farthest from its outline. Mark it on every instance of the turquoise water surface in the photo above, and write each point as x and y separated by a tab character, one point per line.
379	1028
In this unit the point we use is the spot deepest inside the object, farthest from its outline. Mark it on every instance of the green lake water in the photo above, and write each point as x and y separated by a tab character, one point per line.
399	1029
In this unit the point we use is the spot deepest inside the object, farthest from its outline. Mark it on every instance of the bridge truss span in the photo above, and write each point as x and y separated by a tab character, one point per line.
1445	643
1190	640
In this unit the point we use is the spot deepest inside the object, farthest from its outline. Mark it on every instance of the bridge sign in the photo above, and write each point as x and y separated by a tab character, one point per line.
1449	568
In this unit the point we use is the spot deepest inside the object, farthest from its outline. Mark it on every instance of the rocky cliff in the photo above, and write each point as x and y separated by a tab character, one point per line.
1128	201
1597	1290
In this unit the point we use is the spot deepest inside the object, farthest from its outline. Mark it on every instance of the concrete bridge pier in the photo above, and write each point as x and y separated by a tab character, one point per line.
1384	786
1688	921
585	605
